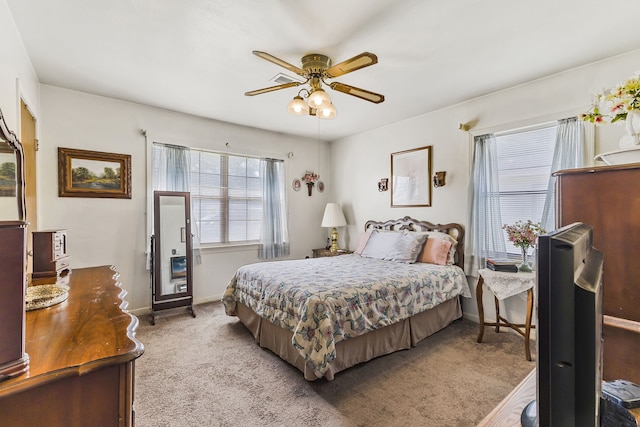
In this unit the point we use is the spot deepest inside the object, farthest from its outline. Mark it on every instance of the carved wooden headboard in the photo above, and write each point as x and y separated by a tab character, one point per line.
407	223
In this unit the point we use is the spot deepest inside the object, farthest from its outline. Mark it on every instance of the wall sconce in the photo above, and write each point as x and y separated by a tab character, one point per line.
439	179
383	184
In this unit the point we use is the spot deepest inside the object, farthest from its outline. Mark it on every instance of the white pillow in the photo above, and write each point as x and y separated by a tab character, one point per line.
396	246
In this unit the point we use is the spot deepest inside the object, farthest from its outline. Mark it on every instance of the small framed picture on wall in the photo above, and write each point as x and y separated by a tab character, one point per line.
410	178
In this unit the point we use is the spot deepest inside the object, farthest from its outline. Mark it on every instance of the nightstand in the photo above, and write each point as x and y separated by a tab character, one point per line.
503	285
322	252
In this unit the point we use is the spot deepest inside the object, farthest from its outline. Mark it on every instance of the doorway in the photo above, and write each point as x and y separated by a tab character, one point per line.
29	146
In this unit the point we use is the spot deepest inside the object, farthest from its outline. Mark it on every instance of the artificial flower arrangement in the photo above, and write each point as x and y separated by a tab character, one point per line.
310	177
615	105
524	234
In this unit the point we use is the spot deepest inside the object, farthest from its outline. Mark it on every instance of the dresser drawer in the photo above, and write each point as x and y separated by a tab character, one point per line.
59	244
62	263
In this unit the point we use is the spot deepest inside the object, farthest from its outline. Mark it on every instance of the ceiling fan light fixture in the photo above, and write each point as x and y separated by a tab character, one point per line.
315	69
317	97
298	107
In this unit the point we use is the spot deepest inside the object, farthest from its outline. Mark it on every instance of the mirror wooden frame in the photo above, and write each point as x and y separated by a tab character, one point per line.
13	141
14	359
160	300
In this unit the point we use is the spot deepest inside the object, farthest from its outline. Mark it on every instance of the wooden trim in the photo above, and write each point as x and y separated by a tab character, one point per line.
596	169
620	323
508	412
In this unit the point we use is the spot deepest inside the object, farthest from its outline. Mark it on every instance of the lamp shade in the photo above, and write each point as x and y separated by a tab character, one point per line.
333	216
327	112
317	97
298	107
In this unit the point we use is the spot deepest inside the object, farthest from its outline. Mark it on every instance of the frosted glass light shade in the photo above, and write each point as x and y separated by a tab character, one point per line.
318	97
333	216
298	107
327	112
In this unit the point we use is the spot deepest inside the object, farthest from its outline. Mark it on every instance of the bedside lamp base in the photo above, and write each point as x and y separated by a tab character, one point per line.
334	240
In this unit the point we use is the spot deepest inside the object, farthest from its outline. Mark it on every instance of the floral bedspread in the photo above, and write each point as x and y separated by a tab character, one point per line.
323	301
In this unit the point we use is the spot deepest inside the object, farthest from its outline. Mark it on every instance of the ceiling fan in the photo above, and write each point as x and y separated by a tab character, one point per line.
315	69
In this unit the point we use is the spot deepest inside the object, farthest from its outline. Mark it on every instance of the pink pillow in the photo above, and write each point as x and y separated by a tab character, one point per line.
364	238
435	251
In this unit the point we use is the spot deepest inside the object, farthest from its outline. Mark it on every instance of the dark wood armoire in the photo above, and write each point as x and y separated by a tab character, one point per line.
608	199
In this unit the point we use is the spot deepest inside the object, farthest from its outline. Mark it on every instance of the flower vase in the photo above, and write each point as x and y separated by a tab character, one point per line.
524	267
309	187
632	127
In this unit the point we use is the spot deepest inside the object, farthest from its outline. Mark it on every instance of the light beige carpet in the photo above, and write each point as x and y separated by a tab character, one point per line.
209	371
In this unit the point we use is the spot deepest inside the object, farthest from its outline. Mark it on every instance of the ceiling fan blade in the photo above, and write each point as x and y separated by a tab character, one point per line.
359	61
272	88
376	98
280	62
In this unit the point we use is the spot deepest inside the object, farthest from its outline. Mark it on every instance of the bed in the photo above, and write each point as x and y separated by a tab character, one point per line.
324	315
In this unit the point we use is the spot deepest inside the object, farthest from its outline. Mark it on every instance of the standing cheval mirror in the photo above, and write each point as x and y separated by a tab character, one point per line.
171	252
13	238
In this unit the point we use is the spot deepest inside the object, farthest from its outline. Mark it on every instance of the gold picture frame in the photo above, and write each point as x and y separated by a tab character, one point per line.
411	178
83	173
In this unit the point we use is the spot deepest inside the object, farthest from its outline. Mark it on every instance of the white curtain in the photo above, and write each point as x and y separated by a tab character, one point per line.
171	172
484	238
171	167
274	236
569	153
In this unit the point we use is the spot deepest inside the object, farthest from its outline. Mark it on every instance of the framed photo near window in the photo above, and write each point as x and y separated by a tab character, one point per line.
410	178
83	173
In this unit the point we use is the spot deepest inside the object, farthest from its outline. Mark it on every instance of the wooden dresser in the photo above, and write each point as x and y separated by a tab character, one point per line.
608	199
81	359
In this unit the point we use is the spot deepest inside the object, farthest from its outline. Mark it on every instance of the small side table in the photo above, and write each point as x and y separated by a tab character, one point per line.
504	285
322	252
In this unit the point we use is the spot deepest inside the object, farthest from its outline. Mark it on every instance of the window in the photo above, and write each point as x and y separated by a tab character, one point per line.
511	180
524	165
226	197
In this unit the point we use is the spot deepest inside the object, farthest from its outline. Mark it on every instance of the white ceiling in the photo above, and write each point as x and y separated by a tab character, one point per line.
194	56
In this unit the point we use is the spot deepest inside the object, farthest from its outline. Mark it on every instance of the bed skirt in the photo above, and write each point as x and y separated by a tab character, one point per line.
399	336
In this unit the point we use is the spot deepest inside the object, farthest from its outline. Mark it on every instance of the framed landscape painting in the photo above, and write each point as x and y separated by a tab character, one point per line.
83	173
410	177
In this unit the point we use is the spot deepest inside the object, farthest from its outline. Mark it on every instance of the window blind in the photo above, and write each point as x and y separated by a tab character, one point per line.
226	192
524	165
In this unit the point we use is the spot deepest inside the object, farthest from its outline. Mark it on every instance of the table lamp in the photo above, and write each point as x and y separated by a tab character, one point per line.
333	217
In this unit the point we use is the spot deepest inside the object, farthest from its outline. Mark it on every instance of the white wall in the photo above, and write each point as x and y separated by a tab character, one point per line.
17	76
113	231
361	160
